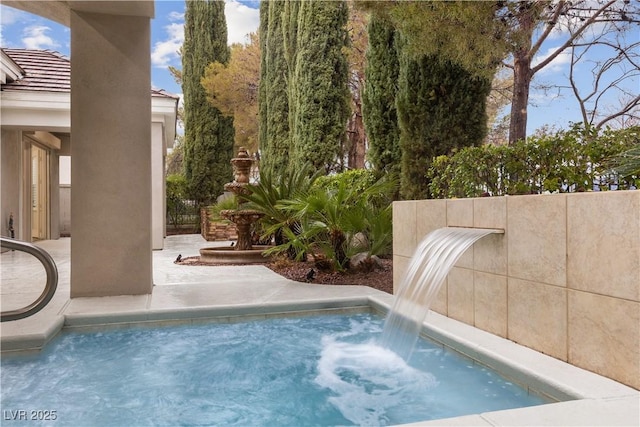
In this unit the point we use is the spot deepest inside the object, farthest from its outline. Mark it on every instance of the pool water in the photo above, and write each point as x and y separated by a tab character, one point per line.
320	370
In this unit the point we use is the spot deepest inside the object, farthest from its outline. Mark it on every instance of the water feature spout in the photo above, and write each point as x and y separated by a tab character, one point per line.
431	262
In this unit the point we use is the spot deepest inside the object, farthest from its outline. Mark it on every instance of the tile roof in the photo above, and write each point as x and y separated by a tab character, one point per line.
48	71
45	71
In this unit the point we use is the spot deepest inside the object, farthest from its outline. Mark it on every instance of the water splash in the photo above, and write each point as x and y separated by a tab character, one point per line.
431	262
370	385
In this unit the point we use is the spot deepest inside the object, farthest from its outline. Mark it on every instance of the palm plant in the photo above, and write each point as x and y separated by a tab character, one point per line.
223	204
339	222
266	196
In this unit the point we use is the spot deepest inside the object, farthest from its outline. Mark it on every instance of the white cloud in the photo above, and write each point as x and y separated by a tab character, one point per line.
241	20
9	16
165	51
34	37
176	16
558	64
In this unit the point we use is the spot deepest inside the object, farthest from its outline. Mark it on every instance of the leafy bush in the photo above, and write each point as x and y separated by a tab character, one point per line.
223	204
176	192
568	161
334	216
266	197
340	220
358	179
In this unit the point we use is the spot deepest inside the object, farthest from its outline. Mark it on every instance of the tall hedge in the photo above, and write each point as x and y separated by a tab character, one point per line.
303	95
379	96
274	99
574	160
440	107
262	89
321	95
208	143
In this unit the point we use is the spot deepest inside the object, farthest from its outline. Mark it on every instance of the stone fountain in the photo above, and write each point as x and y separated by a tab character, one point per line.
243	252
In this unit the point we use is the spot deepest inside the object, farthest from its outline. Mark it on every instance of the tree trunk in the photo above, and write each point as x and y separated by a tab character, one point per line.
520	100
357	142
522	76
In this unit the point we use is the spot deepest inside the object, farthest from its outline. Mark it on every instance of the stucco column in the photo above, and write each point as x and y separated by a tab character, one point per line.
157	185
110	155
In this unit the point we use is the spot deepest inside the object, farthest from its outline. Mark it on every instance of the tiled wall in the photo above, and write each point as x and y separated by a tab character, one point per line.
564	279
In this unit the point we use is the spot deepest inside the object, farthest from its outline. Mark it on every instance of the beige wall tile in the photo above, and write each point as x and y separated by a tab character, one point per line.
404	228
460	295
604	243
537	237
490	303
440	303
604	336
460	213
516	284
466	259
431	215
400	264
537	316
490	212
490	254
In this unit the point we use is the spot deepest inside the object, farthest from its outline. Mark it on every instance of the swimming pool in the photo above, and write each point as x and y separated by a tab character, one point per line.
296	371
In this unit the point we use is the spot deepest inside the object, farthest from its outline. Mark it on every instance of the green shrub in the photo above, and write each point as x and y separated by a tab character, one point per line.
176	189
266	197
340	221
358	179
223	204
568	161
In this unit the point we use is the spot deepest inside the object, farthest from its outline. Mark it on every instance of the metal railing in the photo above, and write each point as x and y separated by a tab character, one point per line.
50	287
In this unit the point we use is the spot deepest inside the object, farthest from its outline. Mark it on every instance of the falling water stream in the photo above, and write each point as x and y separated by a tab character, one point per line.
431	262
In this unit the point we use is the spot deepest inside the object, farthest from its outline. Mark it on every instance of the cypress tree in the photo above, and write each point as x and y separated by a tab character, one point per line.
262	85
290	52
274	101
441	106
379	96
320	97
208	142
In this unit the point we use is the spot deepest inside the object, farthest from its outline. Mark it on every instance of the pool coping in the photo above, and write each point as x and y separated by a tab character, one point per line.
586	398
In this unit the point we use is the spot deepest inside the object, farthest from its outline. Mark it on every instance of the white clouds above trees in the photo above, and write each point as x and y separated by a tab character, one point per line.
241	20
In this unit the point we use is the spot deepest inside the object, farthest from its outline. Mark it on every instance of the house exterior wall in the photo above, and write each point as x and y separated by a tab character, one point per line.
564	279
11	176
16	179
33	112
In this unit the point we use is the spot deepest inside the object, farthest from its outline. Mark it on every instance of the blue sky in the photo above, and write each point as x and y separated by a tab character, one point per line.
23	30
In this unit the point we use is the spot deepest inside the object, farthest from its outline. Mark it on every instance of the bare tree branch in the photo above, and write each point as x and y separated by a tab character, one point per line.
580	30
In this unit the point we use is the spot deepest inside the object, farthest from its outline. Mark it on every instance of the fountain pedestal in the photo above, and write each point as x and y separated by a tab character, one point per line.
243	219
243	252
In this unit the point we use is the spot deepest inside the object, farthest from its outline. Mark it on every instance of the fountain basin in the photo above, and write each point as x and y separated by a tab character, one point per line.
229	255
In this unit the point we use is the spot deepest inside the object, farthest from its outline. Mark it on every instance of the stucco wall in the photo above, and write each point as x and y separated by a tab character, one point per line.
10	180
564	279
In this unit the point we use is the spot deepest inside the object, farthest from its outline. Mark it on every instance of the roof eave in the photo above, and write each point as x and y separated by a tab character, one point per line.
10	71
